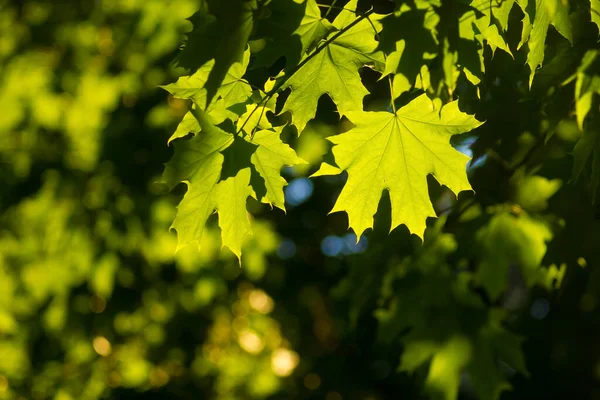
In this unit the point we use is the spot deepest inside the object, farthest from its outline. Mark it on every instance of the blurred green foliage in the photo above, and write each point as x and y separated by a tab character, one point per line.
84	242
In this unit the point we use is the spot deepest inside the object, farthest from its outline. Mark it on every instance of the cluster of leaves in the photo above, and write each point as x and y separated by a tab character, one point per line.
84	243
257	75
240	153
395	149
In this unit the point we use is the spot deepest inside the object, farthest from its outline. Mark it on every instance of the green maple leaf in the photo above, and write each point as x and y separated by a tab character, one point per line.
233	90
217	168
545	13
334	70
494	342
588	146
396	152
477	356
220	33
587	84
501	11
254	117
268	159
595	11
508	240
449	329
256	113
447	363
189	124
484	22
462	52
531	192
409	40
291	28
491	23
199	163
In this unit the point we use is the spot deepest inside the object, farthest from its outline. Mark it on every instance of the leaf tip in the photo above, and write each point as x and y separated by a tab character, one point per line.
182	243
237	252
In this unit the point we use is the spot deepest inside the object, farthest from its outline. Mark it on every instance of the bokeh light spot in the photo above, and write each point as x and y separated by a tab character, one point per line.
332	246
298	191
251	342
101	346
350	245
286	249
284	361
261	302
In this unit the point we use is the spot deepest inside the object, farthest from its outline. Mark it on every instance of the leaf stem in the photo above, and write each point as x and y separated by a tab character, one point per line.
392	94
389	76
330	8
337	8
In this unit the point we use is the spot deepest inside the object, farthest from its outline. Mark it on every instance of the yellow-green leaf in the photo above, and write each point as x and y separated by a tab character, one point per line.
595	10
292	28
334	70
233	90
545	13
396	152
199	163
268	159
